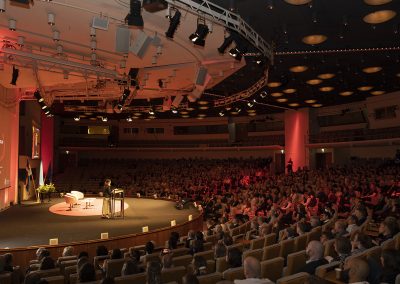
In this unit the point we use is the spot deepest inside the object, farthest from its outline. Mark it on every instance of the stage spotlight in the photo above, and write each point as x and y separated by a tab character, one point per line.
93	45
174	111
151	111
2	6
104	119
77	118
250	104
134	18
14	77
198	38
239	50
56	36
12	25
21	41
51	19
263	94
221	113
173	24
129	119
38	97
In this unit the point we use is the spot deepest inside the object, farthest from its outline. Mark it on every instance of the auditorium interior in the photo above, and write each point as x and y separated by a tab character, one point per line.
199	141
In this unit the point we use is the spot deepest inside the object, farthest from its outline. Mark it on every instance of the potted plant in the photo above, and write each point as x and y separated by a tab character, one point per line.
45	189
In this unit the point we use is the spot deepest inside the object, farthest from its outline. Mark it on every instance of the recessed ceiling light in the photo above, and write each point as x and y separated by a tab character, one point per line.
251	110
364	88
202	102
203	107
379	17
274	84
252	114
202	115
234	112
137	114
184	112
88	113
314	81
310	101
152	117
326	76
190	109
317	105
294	104
276	95
326	89
346	93
93	118
377	2
298	2
314	39
289	91
377	93
185	116
372	69
282	100
298	68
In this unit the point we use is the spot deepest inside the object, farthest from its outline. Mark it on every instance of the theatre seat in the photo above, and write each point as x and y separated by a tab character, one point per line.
71	200
207	255
55	279
322	270
271	252
210	278
270	239
113	267
257	243
173	274
49	272
221	265
295	261
256	253
139	278
182	260
180	252
233	273
5	278
272	268
298	278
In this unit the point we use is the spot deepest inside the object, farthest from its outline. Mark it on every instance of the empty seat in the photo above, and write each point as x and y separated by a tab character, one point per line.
54	279
173	274
210	278
256	253
257	243
295	261
207	255
221	265
139	278
233	273
298	278
113	267
49	272
287	247
182	260
271	251
272	268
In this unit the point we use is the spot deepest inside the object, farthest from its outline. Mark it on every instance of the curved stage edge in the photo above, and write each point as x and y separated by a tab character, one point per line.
22	255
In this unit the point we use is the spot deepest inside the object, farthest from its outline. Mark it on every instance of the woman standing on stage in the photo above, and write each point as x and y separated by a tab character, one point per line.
106	212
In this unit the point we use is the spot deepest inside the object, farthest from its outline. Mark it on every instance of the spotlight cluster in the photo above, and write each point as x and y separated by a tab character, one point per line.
42	103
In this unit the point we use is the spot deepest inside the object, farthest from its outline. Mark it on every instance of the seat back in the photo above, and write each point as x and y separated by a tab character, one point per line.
6	278
271	251
139	278
182	260
329	249
389	244
235	231
211	266
298	278
397	281
322	270
295	261
49	272
270	239
210	278
211	239
68	270
287	247
54	279
300	242
180	251
173	274
208	255
272	268
233	273
256	253
113	267
98	260
150	257
221	265
257	243
374	252
207	246
66	258
73	278
239	246
67	263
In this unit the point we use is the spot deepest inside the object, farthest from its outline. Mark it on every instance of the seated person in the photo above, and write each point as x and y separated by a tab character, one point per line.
154	272
342	247
166	261
387	230
87	273
315	253
101	251
199	266
219	250
390	260
352	224
190	279
130	267
339	229
68	251
326	236
234	258
47	263
360	242
252	272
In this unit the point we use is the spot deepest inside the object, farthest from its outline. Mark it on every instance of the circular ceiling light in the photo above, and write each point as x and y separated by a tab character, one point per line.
190	109
283	100
274	84
203	107
372	69
276	95
379	17
298	2
314	39
202	115
289	91
314	81
294	104
377	93
202	102
184	112
377	2
346	93
317	105
310	101
298	68
185	116
234	112
252	114
326	89
364	88
251	110
326	76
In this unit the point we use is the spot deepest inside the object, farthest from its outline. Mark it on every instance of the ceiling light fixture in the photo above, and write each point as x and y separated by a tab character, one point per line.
129	119
104	118
2	6
298	68
377	93
364	88
289	91
12	25
317	105
314	81
346	93
263	94
77	118
227	42
379	17
92	32
274	84
51	19
173	24
282	100
326	76
310	101
294	104
276	95
326	89
93	45
198	37
373	69
298	2
21	41
314	39
56	36
134	18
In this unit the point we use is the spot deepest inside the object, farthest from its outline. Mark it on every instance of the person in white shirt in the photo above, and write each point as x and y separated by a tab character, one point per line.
352	224
252	272
358	271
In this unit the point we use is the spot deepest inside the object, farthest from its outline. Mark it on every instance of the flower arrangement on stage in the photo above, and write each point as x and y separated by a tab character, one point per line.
45	189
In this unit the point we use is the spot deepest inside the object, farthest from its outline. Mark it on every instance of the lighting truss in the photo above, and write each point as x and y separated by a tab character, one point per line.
226	18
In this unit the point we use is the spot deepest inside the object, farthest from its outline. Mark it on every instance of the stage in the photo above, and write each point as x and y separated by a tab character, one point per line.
34	224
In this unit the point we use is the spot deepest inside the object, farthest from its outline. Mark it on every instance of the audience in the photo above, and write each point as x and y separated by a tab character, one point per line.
315	253
47	263
234	258
252	272
130	267
154	272
342	247
87	273
68	251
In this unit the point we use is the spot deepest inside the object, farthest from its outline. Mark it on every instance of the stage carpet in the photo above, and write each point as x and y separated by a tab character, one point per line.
34	224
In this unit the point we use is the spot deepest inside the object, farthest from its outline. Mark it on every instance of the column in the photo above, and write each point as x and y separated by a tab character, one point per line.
47	145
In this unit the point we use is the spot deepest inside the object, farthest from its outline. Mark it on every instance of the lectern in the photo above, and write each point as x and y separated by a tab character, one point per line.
117	196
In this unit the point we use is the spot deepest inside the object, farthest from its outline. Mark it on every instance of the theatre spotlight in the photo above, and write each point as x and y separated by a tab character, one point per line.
12	25
221	113
173	24
2	6
250	104
238	51
77	118
198	37
51	19
263	94
104	119
134	18
151	111
14	77
129	119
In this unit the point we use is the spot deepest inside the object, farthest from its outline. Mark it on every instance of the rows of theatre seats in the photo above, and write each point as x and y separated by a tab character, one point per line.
280	261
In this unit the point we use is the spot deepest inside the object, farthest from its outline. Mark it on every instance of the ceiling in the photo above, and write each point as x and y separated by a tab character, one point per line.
334	71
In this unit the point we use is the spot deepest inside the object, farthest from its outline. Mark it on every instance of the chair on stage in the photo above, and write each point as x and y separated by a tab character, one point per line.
79	195
71	200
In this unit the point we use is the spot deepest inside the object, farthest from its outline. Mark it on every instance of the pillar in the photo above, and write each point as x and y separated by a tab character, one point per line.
47	145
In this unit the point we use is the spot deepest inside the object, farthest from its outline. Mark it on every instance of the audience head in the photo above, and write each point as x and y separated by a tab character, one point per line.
361	241
234	258
199	265
172	243
32	278
154	272
135	254
199	236
83	254
130	267
191	234
315	222
82	261
252	267
358	270
342	246
47	263
389	227
326	236
116	254
68	251
197	246
339	228
149	247
101	251
42	253
315	250
87	273
352	220
219	250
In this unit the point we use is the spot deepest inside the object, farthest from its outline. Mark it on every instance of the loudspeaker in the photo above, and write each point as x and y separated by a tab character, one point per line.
201	76
100	23
237	132
123	36
140	44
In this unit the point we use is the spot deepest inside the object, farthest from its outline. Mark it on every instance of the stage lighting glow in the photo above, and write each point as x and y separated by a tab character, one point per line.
151	112
134	18
77	118
129	119
198	37
173	24
104	119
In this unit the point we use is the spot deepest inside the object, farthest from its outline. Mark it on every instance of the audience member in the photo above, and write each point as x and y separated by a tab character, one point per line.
358	271
199	265
190	279
352	224
68	251
116	254
315	253
219	250
234	258
252	272
342	247
87	273
130	267
47	263
101	251
154	272
360	242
